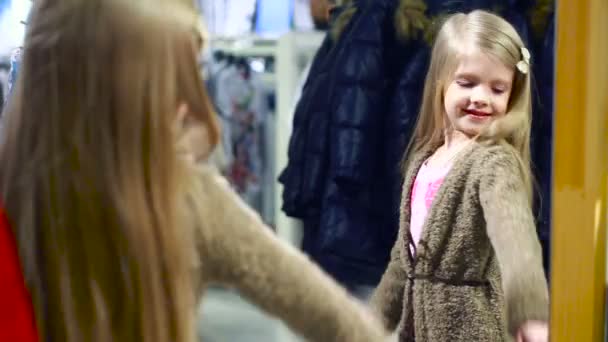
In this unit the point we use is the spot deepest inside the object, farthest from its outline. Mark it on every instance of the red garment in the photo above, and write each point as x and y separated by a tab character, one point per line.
17	321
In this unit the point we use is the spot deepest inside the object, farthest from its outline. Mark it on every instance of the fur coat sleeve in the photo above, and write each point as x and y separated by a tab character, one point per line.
237	250
510	227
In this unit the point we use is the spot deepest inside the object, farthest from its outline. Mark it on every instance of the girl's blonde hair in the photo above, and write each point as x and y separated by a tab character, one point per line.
492	35
90	178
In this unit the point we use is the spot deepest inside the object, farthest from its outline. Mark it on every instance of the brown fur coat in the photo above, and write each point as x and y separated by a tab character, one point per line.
477	274
235	249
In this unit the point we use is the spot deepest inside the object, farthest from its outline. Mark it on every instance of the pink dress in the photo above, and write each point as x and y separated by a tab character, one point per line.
427	183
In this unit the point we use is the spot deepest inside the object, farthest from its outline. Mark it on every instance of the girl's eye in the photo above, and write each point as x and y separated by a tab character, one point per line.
498	91
464	83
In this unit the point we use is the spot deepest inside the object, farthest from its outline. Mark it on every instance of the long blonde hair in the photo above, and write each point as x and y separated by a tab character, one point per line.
89	173
496	37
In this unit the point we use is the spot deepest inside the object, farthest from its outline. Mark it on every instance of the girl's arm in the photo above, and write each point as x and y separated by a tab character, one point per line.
511	229
239	251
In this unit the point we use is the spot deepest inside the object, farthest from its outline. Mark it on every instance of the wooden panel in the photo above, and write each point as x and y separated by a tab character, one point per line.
580	172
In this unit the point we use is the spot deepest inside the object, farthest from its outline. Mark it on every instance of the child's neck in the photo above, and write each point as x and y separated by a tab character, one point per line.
454	139
453	144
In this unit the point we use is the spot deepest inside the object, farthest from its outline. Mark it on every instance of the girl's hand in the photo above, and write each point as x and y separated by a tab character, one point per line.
394	337
533	331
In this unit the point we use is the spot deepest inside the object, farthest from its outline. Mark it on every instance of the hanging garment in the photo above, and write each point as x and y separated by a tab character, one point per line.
15	63
337	179
241	100
222	80
247	171
228	17
542	136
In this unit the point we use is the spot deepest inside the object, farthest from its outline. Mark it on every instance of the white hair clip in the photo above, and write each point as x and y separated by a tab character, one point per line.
524	65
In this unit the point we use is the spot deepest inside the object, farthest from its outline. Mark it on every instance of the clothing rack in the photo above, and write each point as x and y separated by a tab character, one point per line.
257	56
248	47
291	52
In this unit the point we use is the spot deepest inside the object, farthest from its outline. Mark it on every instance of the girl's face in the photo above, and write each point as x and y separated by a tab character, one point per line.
478	93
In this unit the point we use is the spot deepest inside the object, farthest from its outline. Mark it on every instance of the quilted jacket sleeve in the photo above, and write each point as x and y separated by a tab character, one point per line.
359	102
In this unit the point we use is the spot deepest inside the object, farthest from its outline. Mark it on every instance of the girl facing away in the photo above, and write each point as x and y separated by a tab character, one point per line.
106	233
467	265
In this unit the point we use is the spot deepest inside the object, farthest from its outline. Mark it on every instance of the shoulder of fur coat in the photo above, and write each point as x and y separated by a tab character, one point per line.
409	18
236	249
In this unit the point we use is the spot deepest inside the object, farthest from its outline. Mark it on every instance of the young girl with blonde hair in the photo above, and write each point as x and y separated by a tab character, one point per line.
467	262
106	234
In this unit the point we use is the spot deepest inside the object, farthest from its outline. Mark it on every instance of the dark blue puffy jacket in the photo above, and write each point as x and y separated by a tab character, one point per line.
347	169
304	176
